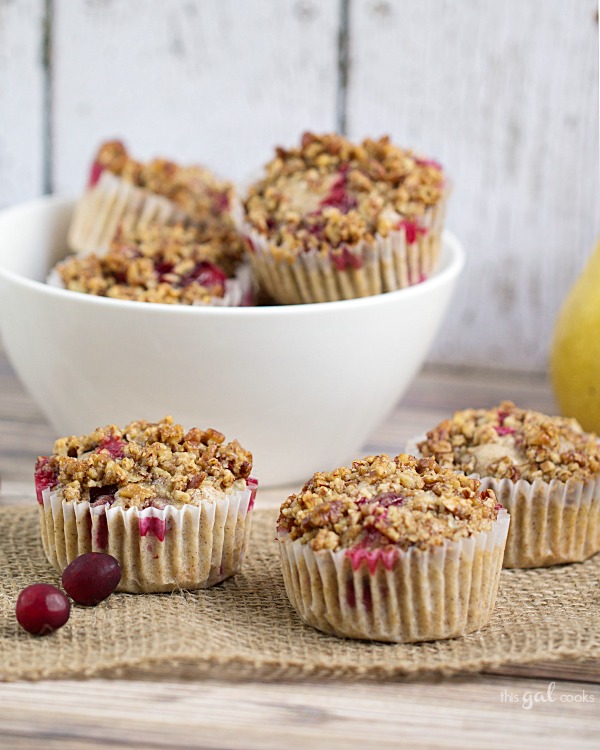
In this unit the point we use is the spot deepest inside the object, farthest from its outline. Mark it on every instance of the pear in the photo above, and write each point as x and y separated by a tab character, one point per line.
575	353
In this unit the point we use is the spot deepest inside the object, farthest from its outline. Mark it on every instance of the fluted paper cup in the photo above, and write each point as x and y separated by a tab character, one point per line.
397	596
552	522
163	549
112	204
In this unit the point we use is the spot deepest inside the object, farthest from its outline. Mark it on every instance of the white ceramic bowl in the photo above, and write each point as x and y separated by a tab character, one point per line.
301	386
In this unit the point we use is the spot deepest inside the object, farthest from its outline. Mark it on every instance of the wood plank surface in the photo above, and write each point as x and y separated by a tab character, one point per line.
21	100
461	713
505	95
545	706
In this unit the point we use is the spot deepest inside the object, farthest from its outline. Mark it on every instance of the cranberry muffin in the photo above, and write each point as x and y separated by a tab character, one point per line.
167	264
334	220
123	193
393	549
172	506
544	470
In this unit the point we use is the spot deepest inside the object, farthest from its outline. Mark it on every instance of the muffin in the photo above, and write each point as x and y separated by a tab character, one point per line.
544	470
125	193
392	549
173	507
165	264
333	220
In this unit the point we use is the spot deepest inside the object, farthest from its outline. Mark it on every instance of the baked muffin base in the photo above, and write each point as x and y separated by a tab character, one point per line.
194	547
400	597
386	265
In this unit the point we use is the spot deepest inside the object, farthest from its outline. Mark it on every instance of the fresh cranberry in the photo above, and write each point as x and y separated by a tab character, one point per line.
91	578
45	477
42	608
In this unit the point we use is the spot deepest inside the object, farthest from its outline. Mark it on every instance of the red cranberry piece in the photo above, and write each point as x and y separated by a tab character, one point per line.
113	445
45	477
95	174
103	495
42	608
389	498
91	578
209	275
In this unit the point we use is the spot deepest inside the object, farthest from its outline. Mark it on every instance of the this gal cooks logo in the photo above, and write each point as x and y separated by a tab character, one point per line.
530	698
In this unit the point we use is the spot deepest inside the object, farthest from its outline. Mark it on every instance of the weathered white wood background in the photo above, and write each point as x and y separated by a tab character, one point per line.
505	94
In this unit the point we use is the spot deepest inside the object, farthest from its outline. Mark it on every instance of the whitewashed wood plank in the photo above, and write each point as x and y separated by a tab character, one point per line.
467	713
21	100
505	94
216	81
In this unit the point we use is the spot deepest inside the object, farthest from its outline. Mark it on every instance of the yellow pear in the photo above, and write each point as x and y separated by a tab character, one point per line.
575	354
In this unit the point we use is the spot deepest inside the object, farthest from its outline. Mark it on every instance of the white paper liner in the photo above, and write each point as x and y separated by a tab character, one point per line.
201	545
444	592
112	203
239	290
387	264
552	522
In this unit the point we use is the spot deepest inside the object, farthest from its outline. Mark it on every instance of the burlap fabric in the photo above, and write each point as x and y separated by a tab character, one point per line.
245	627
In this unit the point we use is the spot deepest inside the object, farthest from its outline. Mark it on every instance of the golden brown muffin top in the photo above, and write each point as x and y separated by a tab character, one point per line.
330	193
381	501
506	441
145	464
167	264
194	189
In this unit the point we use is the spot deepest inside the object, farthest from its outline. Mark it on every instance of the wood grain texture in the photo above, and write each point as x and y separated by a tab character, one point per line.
21	100
459	713
505	95
216	81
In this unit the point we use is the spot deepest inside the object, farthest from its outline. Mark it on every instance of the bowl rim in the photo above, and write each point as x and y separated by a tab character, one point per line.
453	266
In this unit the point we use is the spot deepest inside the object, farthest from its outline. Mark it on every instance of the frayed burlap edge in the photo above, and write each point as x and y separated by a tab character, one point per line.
245	628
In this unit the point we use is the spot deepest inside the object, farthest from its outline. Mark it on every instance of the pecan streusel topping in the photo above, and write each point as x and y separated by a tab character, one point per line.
156	263
380	501
330	193
194	189
506	441
144	464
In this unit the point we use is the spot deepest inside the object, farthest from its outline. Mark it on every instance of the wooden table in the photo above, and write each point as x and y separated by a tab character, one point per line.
487	710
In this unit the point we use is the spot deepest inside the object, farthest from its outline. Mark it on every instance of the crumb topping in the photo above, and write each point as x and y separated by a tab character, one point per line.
144	465
380	501
506	441
330	193
193	188
166	264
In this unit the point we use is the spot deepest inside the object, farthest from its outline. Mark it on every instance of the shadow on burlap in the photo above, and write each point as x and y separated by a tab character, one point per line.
245	628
